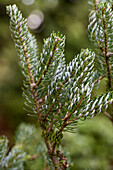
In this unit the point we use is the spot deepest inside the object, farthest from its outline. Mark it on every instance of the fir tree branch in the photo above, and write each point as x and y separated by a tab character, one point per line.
58	93
56	105
61	86
67	116
106	49
48	64
32	83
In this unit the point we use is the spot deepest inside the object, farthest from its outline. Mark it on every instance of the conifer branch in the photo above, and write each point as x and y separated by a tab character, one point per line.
48	64
59	93
32	83
106	49
61	86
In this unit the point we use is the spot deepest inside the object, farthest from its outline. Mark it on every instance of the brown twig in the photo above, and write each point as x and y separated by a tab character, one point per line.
35	156
108	115
100	78
69	114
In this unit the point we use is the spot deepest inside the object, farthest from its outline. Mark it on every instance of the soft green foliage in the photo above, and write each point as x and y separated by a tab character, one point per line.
13	159
3	147
27	147
91	147
60	94
30	141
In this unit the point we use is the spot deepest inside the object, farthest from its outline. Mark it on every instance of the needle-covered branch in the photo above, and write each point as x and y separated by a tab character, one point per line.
60	94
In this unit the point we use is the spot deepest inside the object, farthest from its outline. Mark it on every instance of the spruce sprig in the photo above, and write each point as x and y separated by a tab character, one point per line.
59	94
101	34
100	31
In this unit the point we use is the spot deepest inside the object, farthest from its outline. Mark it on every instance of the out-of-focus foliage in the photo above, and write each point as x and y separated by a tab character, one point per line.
92	146
12	160
27	148
28	153
29	137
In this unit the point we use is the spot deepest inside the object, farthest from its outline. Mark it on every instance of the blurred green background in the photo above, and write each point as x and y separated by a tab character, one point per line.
91	147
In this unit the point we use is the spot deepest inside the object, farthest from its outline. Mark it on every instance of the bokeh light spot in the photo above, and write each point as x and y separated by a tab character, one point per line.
28	2
35	19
